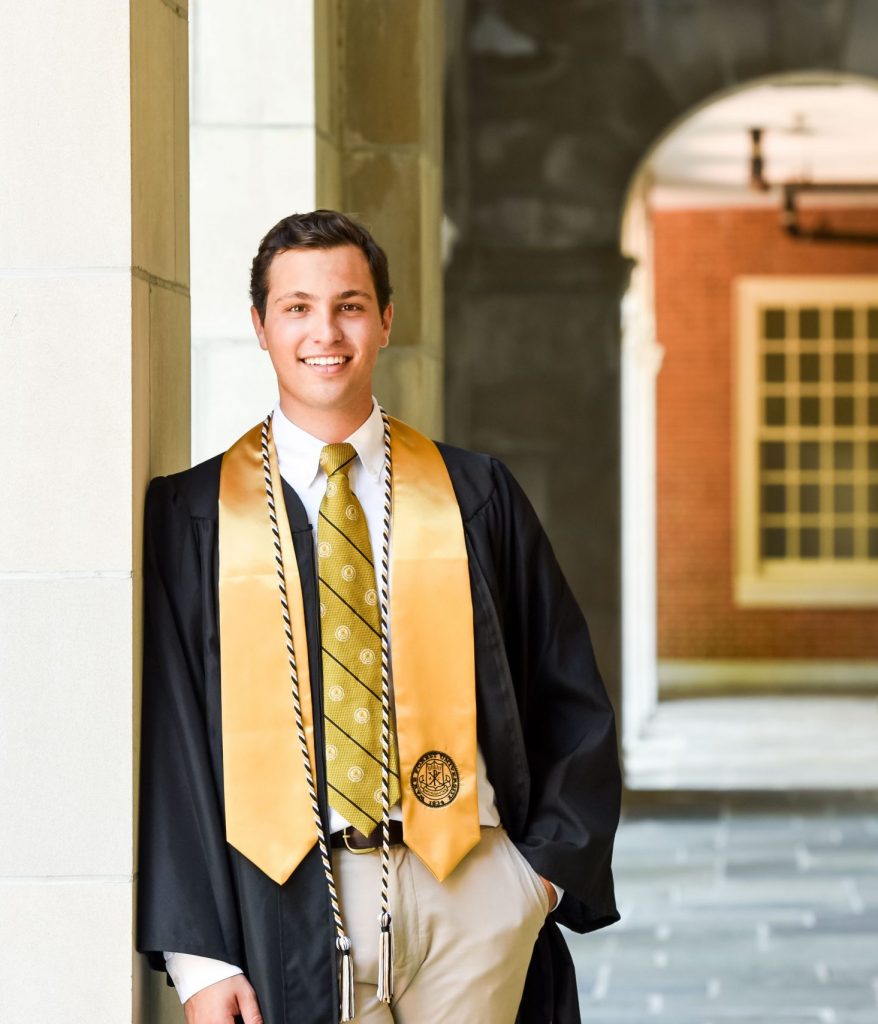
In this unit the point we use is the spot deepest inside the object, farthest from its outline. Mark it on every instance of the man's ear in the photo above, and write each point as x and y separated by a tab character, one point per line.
386	321
257	326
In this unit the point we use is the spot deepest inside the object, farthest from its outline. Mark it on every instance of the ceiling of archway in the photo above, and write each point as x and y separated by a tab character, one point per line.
812	131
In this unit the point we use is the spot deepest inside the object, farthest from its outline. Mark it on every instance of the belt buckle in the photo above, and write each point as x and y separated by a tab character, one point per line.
354	849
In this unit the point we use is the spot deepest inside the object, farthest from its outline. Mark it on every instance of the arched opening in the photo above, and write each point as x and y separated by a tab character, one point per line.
750	442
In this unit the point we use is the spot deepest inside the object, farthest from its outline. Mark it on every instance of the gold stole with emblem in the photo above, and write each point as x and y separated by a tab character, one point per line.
269	817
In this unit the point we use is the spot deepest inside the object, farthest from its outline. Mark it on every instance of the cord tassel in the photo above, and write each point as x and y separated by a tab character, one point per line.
385	960
343	944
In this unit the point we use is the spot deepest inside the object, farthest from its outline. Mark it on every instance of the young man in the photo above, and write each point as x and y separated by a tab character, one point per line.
376	750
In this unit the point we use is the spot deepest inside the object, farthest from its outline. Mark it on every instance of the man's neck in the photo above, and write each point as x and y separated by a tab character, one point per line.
329	425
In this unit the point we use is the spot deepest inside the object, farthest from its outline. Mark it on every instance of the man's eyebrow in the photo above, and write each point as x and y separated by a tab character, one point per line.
349	294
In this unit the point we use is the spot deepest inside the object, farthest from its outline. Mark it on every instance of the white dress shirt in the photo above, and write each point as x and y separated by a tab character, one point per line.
298	456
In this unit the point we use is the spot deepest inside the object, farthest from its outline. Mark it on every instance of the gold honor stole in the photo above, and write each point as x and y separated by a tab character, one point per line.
269	816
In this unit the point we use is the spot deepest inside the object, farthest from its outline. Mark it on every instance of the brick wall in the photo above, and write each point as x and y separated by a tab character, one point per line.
698	254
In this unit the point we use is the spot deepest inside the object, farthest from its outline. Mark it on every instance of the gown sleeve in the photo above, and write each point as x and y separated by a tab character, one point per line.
185	887
567	718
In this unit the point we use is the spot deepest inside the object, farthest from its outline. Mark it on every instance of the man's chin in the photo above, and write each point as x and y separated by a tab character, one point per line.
324	396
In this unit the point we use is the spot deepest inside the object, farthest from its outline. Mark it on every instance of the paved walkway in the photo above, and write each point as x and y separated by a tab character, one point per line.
758	743
736	914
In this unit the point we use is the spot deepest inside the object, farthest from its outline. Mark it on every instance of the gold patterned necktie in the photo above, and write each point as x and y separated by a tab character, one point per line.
350	623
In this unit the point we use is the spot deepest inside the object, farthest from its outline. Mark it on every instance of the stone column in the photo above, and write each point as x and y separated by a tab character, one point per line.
95	399
253	142
297	105
379	158
641	359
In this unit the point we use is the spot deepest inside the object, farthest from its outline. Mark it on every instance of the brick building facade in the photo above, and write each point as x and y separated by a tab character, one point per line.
698	255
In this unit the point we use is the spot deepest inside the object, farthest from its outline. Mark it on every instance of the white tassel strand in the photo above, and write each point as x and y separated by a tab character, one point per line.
346	981
385	959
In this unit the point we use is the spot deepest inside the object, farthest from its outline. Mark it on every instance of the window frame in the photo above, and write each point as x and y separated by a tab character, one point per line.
785	581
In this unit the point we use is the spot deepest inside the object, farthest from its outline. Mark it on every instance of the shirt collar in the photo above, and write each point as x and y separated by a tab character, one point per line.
298	452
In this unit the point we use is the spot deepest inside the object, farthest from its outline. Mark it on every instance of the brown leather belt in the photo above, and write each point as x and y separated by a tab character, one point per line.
350	839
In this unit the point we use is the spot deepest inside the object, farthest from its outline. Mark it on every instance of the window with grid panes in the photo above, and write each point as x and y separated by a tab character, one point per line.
808	440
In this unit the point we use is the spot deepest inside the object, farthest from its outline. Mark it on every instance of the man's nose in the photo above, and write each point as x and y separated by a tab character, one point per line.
326	327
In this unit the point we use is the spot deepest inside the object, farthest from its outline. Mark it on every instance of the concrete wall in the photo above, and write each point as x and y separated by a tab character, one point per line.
95	353
561	102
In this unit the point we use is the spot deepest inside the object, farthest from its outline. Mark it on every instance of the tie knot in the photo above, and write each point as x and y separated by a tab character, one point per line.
335	458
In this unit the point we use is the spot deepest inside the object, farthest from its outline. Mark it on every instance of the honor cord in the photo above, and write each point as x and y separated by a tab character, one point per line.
385	936
343	942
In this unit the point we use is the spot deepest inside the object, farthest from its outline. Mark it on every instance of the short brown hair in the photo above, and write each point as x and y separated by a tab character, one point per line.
320	229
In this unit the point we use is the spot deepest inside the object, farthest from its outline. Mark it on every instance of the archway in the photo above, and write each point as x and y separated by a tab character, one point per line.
740	615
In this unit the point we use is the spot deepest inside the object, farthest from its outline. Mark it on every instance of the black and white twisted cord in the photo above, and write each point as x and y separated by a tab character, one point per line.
342	942
385	948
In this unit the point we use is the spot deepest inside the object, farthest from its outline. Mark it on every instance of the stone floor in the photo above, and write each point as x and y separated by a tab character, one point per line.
739	911
758	743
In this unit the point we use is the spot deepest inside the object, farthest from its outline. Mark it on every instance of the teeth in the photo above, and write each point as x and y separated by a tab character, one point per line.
324	360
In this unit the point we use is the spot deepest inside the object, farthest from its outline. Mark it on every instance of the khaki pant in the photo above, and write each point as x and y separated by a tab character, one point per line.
462	947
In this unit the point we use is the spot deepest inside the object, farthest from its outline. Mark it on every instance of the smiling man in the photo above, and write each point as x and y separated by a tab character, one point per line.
379	763
322	324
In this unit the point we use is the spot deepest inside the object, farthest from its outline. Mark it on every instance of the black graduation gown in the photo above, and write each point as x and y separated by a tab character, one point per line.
545	726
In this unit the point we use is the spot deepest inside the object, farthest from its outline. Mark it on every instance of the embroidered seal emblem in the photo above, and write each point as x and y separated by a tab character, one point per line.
435	779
